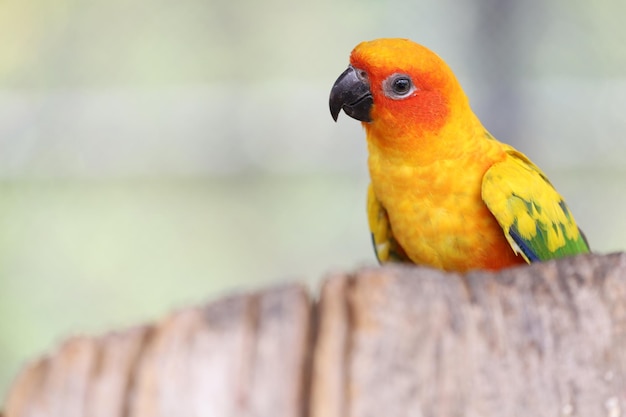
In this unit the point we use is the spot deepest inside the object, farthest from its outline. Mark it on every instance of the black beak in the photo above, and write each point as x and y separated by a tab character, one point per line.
351	92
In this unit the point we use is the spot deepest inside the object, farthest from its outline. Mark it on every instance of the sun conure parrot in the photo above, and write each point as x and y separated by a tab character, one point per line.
444	192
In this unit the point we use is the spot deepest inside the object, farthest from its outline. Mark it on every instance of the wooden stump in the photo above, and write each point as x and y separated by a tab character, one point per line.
542	340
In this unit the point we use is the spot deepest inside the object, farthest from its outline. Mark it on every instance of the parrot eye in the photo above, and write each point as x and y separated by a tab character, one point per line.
398	86
401	86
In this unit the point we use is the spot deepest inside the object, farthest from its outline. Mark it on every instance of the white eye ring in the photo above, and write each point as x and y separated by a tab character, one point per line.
398	86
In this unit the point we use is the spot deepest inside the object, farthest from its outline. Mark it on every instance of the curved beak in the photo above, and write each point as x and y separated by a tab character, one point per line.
351	92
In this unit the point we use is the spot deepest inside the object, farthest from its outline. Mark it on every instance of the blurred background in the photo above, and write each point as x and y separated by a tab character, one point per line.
155	154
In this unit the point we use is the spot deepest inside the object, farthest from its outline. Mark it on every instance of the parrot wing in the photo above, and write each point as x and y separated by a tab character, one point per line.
386	247
532	214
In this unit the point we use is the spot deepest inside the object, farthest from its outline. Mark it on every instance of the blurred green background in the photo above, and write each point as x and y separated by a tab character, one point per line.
155	154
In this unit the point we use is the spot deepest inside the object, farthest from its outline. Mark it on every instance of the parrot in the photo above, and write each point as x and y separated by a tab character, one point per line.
443	192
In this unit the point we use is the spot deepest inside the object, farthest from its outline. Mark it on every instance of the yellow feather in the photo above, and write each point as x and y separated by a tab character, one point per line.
519	194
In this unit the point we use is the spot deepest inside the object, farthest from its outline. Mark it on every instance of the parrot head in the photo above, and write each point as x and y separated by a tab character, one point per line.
395	85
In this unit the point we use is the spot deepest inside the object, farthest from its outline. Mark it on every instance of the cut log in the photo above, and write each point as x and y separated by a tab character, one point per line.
242	356
539	340
542	340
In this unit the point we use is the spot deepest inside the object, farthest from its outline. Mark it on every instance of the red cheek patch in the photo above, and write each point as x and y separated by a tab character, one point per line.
425	110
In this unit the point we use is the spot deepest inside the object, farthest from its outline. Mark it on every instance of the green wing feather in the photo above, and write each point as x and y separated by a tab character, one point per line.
386	247
535	219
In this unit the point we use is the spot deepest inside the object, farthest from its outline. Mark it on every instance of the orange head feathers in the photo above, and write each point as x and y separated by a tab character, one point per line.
409	87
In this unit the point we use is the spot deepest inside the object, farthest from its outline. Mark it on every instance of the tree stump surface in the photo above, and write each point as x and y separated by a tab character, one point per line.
539	340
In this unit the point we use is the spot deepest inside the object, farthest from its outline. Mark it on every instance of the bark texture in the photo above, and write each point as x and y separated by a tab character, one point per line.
541	340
